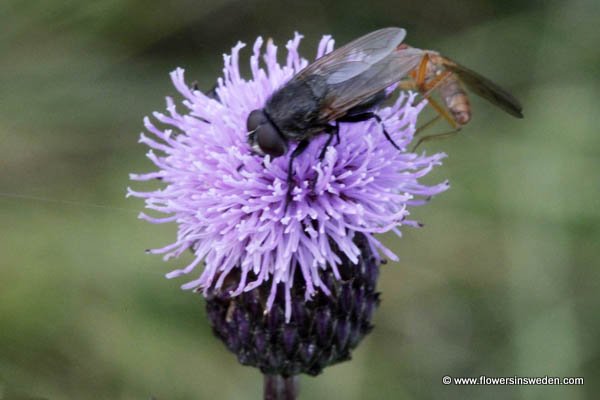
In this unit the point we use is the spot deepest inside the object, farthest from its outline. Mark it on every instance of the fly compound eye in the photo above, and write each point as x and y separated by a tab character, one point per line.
270	141
255	118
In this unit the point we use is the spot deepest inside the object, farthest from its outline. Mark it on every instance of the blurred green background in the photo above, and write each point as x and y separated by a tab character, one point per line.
503	280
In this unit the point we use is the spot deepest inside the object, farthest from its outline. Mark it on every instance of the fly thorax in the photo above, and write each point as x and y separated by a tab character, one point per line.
295	108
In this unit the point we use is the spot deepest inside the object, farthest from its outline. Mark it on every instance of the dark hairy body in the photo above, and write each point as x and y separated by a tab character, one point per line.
295	108
341	86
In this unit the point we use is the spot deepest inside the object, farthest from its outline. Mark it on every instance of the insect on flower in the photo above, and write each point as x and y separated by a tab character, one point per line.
342	86
348	83
437	72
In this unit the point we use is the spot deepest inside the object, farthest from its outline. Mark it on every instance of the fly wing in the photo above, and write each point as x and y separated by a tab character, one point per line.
485	88
345	95
355	57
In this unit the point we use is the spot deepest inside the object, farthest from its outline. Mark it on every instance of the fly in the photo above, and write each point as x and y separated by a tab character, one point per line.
437	72
342	86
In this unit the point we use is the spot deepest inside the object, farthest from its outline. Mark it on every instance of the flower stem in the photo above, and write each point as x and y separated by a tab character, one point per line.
278	387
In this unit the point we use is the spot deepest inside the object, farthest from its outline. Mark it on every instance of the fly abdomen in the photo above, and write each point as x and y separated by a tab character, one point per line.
456	100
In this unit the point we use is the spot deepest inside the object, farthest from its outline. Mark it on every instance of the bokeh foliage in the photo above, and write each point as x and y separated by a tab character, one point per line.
503	280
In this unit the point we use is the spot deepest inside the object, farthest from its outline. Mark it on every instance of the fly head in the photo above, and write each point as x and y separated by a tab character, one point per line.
263	136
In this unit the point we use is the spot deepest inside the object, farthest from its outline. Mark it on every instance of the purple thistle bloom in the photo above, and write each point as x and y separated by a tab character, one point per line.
230	204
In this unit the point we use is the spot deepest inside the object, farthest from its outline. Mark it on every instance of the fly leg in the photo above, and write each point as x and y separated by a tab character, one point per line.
290	174
331	130
442	113
427	124
365	117
426	88
436	136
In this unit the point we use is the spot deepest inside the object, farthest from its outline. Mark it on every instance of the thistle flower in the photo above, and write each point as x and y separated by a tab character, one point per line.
290	287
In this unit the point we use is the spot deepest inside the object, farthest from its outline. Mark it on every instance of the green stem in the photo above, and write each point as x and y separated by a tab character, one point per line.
277	387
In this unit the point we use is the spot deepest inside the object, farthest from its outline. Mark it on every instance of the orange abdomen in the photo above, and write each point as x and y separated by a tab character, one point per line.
456	100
